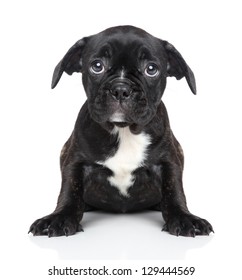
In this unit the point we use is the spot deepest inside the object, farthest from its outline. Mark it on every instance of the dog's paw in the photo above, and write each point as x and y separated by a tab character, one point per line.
55	225
188	225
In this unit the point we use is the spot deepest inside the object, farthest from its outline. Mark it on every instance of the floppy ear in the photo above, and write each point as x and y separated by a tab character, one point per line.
177	66
71	62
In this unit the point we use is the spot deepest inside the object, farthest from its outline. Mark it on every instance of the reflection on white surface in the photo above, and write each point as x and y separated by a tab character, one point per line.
122	236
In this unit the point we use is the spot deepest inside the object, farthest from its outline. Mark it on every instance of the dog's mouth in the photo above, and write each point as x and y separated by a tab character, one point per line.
120	118
121	124
120	114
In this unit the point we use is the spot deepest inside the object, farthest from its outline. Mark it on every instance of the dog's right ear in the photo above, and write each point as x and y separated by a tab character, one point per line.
71	62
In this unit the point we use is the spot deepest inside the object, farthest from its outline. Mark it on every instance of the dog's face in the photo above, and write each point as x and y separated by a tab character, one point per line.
124	71
124	76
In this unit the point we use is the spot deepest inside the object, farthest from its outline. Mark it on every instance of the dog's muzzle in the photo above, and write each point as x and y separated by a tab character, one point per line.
120	91
120	101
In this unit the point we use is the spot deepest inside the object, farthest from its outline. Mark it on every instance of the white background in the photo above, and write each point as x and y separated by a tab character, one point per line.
36	121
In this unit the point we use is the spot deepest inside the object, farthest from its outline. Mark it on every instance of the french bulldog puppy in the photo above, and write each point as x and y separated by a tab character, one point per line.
122	155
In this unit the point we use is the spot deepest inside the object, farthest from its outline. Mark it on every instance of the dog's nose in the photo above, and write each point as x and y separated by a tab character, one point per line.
120	91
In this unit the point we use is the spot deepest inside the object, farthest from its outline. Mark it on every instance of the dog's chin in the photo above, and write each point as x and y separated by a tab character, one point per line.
134	128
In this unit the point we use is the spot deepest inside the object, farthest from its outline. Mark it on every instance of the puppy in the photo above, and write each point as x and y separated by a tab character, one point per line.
122	155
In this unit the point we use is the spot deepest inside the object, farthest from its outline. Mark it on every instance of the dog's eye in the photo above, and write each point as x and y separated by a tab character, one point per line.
151	70
97	67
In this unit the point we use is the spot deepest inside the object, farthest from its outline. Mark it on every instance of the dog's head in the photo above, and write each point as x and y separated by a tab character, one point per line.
124	71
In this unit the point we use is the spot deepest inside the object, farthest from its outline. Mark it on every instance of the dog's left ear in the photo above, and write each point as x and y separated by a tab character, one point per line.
177	66
71	62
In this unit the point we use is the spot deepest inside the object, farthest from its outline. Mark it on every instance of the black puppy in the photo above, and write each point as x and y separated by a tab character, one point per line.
122	155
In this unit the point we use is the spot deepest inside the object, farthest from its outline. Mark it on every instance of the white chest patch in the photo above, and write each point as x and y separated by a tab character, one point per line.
130	155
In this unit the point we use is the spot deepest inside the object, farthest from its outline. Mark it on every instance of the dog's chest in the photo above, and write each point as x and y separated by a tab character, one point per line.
131	153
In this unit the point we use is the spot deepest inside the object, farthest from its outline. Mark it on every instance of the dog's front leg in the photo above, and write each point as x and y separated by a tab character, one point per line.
70	206
178	219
